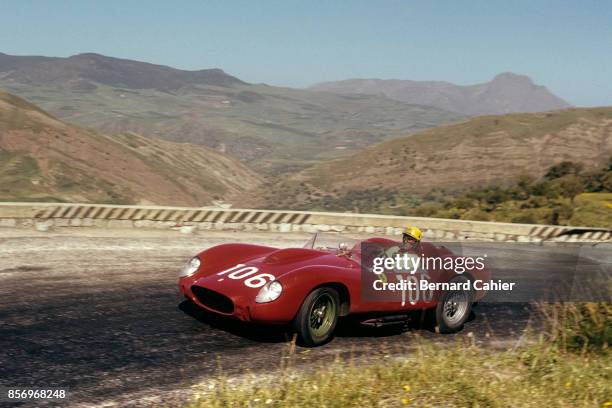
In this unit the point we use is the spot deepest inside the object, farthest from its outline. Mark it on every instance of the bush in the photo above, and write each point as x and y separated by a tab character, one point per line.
476	214
578	327
427	210
570	186
525	218
563	169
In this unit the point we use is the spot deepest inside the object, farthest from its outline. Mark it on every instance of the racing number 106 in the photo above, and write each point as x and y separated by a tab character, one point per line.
242	271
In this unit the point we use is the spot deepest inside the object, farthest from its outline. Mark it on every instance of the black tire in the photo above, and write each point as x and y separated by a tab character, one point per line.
453	309
317	317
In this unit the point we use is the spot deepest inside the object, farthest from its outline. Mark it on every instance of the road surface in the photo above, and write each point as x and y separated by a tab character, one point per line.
102	316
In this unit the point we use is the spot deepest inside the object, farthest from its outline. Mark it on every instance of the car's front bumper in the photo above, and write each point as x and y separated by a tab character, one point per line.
277	312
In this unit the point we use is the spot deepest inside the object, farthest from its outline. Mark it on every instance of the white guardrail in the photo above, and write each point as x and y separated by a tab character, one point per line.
45	216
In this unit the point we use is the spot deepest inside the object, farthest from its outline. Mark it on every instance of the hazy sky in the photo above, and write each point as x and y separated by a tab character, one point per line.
565	45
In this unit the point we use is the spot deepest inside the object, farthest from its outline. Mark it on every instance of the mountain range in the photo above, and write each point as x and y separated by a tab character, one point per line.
274	129
506	93
126	131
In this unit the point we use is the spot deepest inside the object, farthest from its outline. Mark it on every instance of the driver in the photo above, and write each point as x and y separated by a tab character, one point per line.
411	238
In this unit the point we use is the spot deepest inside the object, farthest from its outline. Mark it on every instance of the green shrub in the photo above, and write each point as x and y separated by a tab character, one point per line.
578	327
525	218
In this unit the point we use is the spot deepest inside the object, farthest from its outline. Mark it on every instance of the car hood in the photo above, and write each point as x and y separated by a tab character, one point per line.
277	263
290	255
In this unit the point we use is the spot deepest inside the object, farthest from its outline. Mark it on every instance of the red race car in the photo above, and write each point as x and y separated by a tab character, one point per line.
312	287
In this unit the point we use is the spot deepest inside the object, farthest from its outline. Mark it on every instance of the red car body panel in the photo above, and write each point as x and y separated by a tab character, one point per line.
300	271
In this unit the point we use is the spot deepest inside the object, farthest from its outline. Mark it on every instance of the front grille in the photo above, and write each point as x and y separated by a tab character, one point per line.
213	300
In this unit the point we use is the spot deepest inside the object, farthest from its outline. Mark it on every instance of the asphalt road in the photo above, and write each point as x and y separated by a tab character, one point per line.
102	316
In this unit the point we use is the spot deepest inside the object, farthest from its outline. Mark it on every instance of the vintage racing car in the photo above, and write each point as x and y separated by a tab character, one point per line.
312	287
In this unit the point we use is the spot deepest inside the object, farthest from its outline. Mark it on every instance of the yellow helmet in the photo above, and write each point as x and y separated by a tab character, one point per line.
413	232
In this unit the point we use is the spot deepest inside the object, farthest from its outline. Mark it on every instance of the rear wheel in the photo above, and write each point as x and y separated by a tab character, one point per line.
454	308
317	318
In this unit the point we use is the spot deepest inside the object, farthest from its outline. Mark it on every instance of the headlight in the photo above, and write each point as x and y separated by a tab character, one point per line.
271	291
192	266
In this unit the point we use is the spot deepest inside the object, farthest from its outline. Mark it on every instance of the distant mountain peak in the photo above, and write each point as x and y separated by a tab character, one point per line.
511	77
88	54
507	92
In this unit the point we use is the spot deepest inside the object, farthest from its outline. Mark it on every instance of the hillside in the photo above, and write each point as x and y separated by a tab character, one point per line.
484	151
506	93
45	159
274	129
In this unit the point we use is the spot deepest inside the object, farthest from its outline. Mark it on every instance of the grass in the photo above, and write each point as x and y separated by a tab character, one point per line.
593	209
70	181
557	370
16	172
19	171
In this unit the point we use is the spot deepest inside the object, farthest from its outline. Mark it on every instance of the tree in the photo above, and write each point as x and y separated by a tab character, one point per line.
561	212
523	185
563	169
606	182
570	186
599	180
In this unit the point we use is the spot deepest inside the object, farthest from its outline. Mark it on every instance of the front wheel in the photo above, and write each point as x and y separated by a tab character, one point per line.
454	308
317	318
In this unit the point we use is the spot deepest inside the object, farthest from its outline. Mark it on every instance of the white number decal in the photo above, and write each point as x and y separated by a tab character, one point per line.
231	269
242	271
414	296
428	294
258	280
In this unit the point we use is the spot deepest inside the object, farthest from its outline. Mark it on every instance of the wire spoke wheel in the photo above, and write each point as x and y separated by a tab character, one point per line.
316	320
322	315
455	306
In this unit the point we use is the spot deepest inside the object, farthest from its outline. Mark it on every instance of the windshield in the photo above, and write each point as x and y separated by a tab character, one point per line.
330	241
